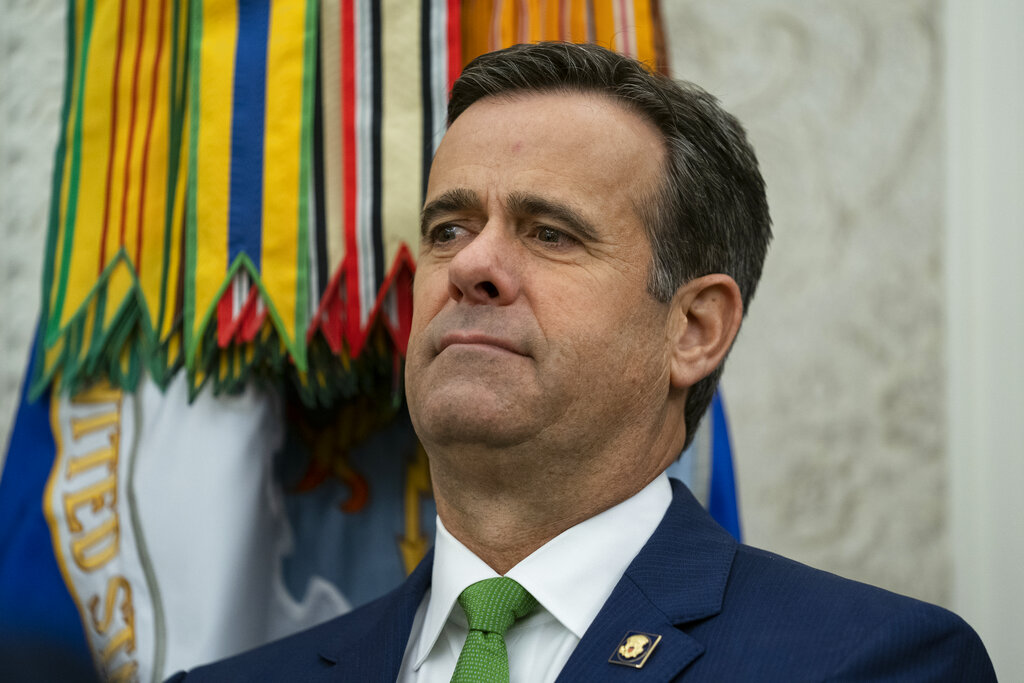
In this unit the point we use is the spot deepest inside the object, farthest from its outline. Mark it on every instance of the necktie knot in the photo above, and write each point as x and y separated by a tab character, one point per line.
491	607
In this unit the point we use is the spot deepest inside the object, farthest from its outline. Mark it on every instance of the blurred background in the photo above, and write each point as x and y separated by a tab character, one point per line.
876	388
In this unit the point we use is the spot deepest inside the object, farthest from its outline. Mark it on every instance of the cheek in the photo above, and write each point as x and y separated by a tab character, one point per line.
429	293
628	341
594	325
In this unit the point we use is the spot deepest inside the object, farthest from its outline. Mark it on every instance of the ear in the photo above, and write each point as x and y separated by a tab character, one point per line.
705	317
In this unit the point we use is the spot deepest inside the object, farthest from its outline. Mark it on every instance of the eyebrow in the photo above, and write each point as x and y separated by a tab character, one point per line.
459	200
453	201
525	204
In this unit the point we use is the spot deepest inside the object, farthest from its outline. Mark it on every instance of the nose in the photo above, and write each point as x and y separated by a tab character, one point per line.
485	271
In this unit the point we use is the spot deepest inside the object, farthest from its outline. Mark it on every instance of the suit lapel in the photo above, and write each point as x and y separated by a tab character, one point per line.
629	610
372	648
678	577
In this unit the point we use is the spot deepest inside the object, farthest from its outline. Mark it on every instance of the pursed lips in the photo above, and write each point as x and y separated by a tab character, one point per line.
469	338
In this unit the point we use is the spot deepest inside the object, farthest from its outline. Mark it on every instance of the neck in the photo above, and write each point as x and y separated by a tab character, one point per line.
505	504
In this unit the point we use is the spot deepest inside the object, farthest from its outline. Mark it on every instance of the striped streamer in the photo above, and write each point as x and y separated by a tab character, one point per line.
248	220
630	27
228	200
388	67
110	286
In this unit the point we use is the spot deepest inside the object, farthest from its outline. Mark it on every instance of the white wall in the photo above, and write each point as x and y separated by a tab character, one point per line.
985	323
836	388
31	85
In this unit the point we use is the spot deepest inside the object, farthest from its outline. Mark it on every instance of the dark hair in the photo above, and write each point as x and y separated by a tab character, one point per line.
709	215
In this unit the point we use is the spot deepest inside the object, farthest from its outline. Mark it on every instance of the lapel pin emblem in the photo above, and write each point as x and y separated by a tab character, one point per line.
634	649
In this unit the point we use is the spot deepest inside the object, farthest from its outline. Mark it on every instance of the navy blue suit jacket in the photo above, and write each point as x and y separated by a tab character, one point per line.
726	612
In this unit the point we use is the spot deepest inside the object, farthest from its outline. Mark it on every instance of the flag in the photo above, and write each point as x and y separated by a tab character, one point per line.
40	631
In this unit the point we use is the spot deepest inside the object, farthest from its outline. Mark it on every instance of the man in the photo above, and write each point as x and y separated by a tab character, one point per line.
591	237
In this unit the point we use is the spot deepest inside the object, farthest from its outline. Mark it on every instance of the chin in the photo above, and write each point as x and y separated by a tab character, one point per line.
448	418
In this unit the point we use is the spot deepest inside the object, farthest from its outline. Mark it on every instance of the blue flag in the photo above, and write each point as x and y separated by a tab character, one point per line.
41	635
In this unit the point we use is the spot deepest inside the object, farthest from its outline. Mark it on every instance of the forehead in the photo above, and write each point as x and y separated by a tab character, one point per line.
578	147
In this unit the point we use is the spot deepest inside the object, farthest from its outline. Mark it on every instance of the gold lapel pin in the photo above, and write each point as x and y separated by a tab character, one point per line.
634	649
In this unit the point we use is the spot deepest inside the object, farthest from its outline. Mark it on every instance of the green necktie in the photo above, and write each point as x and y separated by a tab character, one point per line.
492	606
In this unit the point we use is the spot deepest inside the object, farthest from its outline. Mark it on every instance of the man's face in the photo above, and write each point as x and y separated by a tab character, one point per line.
532	321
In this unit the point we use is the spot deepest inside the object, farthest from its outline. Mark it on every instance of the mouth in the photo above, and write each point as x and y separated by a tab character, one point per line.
478	339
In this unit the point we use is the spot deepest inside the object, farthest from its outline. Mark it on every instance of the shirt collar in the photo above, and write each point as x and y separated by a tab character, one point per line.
572	575
455	568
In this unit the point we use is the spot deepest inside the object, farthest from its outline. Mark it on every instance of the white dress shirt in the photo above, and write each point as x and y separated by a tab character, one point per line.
572	576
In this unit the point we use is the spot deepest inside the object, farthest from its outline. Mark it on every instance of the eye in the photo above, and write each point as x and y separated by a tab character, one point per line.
444	233
554	237
549	235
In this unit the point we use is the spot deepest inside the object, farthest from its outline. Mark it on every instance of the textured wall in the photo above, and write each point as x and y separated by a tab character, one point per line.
31	84
835	388
836	385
